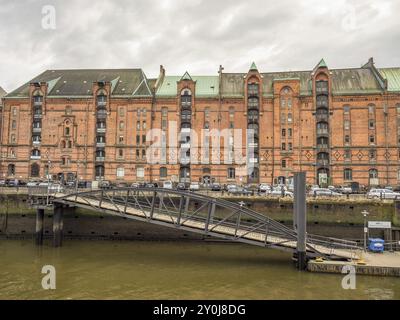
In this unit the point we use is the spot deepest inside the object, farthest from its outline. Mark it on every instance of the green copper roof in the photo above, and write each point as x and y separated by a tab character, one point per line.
322	64
206	86
392	75
253	67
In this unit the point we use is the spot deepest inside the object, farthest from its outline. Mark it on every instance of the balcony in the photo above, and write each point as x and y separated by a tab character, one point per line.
322	131
253	106
101	114
100	144
323	148
100	159
253	145
36	157
253	160
252	119
36	142
101	103
186	104
184	160
37	130
322	162
252	93
101	130
37	103
321	90
185	145
37	116
322	117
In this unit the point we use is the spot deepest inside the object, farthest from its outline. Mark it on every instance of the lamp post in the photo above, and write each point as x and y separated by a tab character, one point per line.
365	213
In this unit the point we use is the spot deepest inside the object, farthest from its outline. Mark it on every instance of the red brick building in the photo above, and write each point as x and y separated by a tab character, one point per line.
339	125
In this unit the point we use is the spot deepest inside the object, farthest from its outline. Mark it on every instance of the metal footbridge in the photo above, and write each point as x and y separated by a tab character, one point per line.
201	214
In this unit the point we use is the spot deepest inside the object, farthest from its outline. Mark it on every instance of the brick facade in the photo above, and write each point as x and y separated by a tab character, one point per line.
340	126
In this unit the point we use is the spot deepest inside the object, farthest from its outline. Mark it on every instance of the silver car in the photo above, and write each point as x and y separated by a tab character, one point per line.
382	193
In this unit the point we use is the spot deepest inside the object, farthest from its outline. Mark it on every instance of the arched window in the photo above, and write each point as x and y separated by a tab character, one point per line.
186	97
373	174
11	170
163	172
35	170
37	97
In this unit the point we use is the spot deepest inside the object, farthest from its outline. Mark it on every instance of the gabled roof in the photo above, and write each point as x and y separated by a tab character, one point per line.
206	86
76	83
253	67
186	76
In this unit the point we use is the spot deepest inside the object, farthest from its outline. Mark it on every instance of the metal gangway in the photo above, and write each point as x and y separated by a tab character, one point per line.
197	213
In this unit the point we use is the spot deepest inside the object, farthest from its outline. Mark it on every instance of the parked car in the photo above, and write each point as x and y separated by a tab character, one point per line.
168	185
345	190
12	183
230	186
2	183
264	188
51	187
382	193
216	187
239	190
324	192
104	185
150	185
278	192
181	186
194	186
135	185
32	184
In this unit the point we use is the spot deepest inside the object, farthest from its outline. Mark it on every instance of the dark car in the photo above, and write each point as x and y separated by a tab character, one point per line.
216	187
105	185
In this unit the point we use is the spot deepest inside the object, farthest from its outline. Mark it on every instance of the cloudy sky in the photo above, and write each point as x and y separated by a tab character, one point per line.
194	35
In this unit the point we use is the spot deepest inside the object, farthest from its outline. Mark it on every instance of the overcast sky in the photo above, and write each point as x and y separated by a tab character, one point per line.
194	35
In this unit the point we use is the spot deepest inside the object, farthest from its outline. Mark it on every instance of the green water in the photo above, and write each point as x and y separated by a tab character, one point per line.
170	270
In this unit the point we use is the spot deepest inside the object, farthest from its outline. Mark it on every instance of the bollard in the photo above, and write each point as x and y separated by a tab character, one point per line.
301	219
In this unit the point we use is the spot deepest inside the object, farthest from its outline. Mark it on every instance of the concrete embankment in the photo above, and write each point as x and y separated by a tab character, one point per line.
375	264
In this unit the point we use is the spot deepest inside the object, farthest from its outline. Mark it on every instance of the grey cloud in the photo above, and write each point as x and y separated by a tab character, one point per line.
195	35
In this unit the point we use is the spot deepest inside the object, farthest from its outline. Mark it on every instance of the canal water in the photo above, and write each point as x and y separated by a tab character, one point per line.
170	270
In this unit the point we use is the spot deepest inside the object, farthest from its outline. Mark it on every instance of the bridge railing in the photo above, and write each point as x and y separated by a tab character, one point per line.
212	215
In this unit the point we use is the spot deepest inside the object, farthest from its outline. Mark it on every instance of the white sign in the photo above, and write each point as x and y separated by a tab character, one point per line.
379	224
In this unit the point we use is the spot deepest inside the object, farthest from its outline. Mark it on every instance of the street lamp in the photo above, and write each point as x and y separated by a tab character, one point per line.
365	213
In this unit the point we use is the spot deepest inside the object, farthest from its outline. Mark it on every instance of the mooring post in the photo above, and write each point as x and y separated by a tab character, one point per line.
301	218
58	225
39	226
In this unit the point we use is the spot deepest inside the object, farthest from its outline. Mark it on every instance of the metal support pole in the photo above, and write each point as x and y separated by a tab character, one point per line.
301	218
211	210
39	226
58	225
